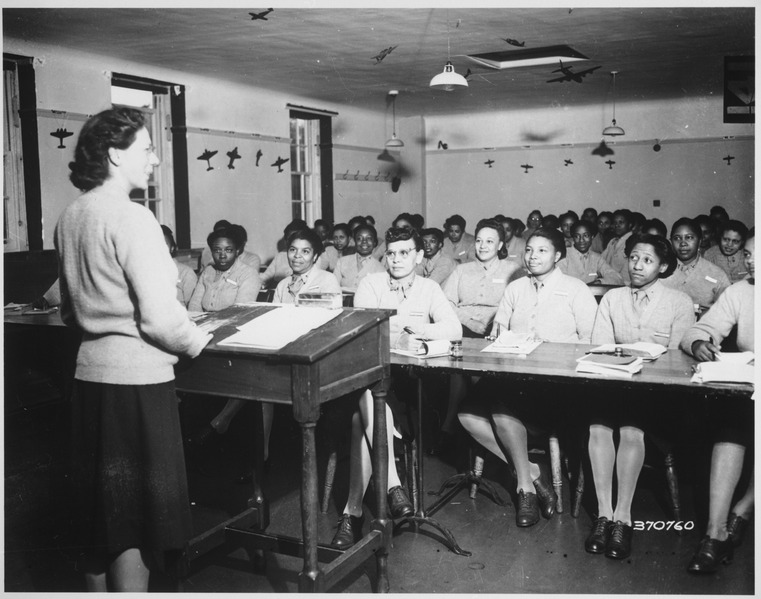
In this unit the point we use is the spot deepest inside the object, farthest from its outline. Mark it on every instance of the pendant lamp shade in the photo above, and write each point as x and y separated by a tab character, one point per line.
613	130
448	80
394	142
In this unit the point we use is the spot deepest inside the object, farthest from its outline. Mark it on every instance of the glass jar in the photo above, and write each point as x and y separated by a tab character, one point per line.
455	350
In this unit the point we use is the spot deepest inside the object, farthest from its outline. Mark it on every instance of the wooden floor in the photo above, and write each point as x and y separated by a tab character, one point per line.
547	558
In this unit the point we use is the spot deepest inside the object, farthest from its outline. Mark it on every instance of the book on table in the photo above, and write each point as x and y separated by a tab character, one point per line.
609	365
509	342
641	349
729	367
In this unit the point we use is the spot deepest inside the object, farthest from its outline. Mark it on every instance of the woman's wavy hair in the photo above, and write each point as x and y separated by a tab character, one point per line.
308	235
403	234
662	248
554	236
492	223
113	128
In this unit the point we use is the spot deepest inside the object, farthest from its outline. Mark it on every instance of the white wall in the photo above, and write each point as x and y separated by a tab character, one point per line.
688	175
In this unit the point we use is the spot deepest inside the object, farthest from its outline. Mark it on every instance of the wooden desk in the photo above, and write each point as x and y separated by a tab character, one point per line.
553	363
348	353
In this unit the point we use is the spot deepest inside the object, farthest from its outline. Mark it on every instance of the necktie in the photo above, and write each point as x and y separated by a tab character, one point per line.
641	300
400	288
295	285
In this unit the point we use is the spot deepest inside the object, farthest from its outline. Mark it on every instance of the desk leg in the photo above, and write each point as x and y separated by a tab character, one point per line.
380	480
311	578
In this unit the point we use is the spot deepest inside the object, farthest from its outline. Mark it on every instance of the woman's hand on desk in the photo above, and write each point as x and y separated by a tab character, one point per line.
705	351
409	341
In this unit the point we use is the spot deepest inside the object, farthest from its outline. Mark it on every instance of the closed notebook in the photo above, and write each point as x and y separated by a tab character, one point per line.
640	349
735	367
609	365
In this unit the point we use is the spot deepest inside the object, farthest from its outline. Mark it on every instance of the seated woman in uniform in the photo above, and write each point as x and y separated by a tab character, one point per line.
549	306
732	426
696	276
475	289
436	265
422	311
727	255
582	263
304	248
350	270
643	311
340	246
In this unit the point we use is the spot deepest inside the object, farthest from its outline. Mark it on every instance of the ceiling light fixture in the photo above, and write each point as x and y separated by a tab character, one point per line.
613	130
394	142
448	80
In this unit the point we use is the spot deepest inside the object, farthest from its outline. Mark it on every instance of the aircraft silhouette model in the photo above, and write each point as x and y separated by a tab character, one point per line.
610	163
443	146
233	156
207	156
602	150
260	16
570	75
383	53
279	163
728	158
489	162
525	167
61	134
258	156
513	42
568	161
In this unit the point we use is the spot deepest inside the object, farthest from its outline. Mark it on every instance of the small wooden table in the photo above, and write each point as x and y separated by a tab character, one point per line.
348	353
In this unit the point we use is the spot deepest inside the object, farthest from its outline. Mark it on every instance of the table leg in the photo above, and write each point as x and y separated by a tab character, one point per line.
380	480
310	578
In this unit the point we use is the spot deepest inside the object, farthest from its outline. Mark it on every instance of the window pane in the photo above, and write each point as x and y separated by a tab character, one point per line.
138	98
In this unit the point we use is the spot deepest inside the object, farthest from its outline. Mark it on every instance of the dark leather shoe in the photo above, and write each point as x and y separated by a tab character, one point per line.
598	537
711	553
736	526
527	510
349	531
399	505
548	500
619	544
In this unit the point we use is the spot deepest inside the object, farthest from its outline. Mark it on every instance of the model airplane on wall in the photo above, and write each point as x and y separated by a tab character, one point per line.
570	75
258	156
489	162
513	42
525	167
207	156
568	161
728	158
279	163
260	16
61	134
610	163
383	53
233	156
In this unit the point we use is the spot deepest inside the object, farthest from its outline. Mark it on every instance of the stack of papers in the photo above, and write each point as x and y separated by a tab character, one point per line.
279	327
736	367
605	364
641	349
510	343
427	349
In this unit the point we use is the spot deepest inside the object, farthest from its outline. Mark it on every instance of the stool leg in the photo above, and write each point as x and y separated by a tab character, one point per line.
330	475
557	471
579	494
673	484
478	470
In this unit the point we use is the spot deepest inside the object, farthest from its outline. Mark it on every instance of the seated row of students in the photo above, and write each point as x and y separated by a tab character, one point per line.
555	307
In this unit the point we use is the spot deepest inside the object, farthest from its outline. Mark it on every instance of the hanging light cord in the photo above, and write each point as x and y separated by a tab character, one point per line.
393	110
614	98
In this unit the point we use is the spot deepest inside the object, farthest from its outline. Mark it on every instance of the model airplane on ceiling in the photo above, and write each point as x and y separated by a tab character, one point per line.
570	75
233	156
602	150
525	167
260	16
513	42
610	163
489	162
728	158
383	53
568	161
207	156
61	134
279	163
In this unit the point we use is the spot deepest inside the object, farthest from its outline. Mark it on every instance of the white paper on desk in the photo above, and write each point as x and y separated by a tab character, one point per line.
511	343
642	349
428	349
279	327
734	367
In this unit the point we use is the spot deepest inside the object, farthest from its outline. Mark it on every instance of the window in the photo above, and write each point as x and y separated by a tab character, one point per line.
159	196
311	165
14	198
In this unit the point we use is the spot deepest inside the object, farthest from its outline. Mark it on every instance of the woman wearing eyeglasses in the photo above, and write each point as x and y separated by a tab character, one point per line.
696	276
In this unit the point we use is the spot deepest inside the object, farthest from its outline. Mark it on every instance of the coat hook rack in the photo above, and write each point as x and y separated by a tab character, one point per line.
378	178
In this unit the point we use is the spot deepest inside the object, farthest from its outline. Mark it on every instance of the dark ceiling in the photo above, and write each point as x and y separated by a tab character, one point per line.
327	54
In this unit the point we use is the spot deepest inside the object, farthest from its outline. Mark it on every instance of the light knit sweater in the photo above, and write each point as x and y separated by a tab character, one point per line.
734	307
118	284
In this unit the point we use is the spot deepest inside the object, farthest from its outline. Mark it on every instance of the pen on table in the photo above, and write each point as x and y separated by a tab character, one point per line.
716	354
